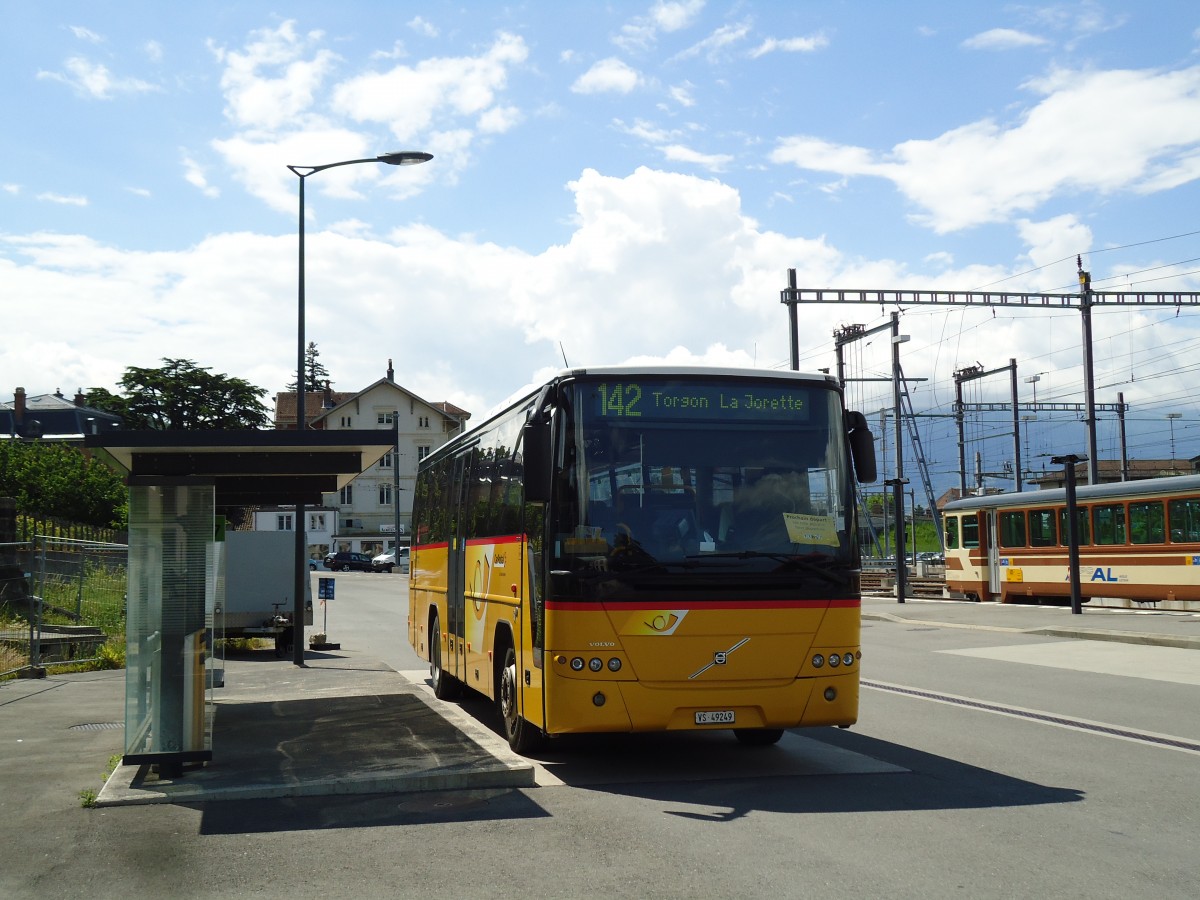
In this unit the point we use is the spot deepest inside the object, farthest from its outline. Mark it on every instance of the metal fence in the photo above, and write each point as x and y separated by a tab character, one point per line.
61	601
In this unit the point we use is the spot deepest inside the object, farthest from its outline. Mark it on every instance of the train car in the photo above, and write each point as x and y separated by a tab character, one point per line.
1139	545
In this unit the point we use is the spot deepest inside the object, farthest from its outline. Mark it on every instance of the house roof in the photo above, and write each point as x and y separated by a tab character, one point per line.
247	468
53	415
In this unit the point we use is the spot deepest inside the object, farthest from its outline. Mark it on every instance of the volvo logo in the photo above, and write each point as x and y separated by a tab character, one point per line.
720	657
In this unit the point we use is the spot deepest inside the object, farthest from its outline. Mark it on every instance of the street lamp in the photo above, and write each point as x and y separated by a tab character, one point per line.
402	158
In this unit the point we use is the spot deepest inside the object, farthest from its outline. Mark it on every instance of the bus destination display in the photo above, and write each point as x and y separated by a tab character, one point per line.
692	400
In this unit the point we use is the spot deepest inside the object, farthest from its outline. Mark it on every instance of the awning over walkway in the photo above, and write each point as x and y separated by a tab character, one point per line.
247	468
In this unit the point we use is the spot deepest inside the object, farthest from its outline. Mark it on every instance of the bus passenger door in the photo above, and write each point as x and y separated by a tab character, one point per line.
993	556
456	662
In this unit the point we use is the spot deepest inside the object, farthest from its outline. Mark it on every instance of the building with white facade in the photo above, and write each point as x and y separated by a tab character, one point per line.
365	515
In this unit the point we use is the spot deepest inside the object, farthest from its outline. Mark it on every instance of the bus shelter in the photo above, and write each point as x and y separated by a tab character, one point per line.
181	486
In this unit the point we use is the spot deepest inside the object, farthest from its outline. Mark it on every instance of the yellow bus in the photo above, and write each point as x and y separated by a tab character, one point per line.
638	549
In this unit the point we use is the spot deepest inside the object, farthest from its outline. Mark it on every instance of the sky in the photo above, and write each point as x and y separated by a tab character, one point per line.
616	182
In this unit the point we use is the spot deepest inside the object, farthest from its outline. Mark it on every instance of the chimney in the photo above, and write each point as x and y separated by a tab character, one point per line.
391	373
19	407
327	401
79	396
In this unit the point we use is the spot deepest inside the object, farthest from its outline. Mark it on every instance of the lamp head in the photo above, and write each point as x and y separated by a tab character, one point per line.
405	158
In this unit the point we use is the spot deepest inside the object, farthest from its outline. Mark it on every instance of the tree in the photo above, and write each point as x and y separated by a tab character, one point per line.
315	374
182	395
60	482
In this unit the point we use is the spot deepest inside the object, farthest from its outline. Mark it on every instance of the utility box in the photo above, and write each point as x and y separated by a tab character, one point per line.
258	593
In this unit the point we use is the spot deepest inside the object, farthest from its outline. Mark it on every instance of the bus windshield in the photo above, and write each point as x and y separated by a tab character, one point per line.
730	482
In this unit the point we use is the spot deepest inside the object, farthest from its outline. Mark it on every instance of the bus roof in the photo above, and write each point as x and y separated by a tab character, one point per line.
1087	493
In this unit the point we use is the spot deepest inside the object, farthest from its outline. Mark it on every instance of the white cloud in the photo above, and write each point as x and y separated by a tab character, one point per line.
714	162
673	16
271	83
682	94
607	76
95	80
407	98
713	45
193	174
1004	39
1111	131
791	45
153	51
86	34
423	27
63	199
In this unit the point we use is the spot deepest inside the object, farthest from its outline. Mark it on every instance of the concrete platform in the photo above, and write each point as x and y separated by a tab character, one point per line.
341	725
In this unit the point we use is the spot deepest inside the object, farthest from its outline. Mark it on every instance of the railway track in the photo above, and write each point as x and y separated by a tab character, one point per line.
926	586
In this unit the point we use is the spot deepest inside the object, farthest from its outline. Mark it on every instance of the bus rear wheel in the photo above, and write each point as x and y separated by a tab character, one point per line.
758	737
445	686
522	736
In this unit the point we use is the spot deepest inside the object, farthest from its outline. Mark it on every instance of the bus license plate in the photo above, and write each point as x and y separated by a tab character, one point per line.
715	717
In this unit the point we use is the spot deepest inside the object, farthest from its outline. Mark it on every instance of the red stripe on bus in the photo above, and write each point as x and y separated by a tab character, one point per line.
496	539
707	604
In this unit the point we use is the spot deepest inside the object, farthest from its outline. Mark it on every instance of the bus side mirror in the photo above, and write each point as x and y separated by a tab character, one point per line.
539	469
862	446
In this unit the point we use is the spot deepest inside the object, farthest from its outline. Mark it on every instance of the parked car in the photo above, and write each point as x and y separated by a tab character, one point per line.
346	561
385	562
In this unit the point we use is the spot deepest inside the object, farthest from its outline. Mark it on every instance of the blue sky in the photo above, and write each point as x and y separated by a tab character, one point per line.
622	181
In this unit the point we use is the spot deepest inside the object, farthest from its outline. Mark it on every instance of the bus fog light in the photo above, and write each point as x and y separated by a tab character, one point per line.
577	663
848	659
595	664
834	660
598	699
614	665
818	660
830	694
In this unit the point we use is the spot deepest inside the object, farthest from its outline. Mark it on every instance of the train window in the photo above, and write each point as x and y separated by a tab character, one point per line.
970	530
1185	520
1041	528
1012	529
1081	527
1108	522
1146	523
951	532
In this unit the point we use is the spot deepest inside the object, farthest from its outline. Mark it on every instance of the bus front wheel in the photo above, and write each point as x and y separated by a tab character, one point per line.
522	736
758	737
445	686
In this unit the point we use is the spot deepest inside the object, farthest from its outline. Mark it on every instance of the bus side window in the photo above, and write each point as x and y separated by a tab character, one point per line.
970	530
1012	529
952	532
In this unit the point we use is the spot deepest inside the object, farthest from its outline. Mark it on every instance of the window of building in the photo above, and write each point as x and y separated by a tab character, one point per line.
316	522
346	495
386	461
422	452
1012	529
423	421
346	421
385	495
283	522
384	418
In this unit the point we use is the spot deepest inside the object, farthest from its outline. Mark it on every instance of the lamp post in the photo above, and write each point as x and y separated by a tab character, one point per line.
402	158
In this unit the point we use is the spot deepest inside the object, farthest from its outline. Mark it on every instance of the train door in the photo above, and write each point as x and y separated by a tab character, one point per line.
456	611
993	555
